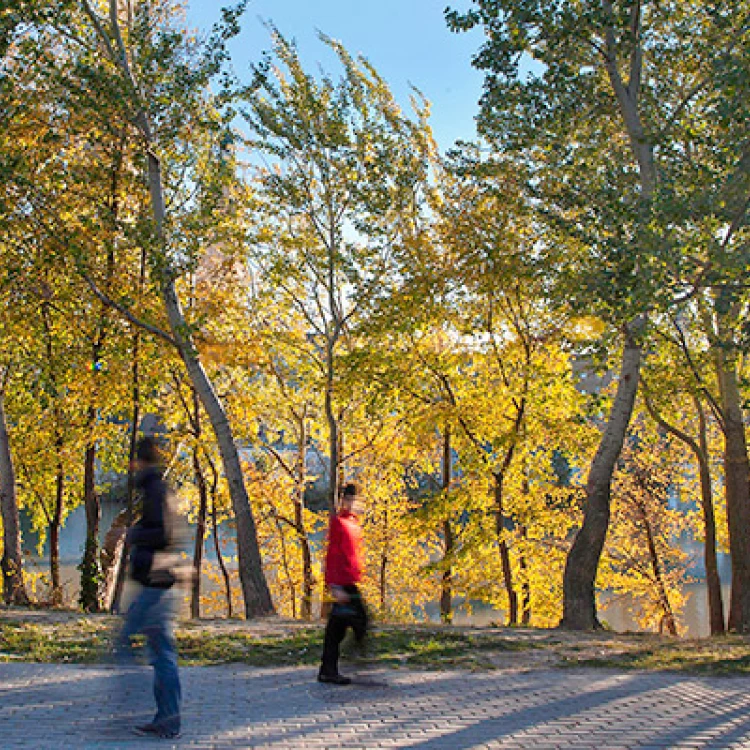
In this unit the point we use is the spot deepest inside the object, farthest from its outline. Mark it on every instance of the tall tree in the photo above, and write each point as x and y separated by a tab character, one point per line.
585	94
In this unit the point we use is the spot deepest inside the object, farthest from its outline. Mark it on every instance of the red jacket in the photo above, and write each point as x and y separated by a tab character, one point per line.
344	555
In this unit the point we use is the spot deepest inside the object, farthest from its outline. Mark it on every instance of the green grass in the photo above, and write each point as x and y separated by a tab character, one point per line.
276	643
729	655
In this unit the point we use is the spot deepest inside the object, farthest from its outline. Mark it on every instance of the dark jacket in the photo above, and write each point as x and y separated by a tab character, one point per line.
153	531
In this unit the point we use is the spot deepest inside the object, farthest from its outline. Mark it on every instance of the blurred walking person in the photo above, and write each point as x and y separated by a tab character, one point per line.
343	571
153	567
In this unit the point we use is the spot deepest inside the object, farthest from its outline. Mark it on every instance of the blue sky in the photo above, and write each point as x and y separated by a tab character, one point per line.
406	40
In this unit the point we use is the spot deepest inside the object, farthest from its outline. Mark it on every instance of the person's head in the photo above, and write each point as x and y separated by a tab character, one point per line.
148	452
351	500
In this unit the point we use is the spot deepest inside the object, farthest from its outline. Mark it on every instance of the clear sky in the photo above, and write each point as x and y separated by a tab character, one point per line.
407	41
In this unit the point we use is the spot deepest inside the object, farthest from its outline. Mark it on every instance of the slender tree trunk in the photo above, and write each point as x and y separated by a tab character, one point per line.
334	455
713	581
446	583
668	619
503	550
217	541
90	572
220	560
700	450
308	580
56	597
200	535
14	589
383	575
135	419
579	600
525	586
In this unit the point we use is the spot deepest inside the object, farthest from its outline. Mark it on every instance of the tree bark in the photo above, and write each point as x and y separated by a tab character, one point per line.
446	583
579	600
14	589
737	488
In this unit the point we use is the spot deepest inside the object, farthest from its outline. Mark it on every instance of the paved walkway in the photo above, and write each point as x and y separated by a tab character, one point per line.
235	706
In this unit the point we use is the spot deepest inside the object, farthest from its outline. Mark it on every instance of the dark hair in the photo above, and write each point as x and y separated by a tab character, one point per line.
350	490
148	450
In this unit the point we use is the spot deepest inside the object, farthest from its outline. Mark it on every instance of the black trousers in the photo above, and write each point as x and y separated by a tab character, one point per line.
352	615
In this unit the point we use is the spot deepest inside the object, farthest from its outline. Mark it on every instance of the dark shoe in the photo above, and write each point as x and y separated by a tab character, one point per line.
154	730
334	679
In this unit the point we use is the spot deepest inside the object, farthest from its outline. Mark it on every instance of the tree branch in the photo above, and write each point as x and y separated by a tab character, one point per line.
155	330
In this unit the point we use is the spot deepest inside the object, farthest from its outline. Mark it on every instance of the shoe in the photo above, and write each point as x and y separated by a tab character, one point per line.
334	679
154	730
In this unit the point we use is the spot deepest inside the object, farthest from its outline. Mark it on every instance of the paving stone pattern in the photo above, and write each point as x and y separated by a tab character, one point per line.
236	706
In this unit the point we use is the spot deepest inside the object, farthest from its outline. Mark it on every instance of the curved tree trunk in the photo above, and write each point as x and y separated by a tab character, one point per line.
254	585
14	590
579	600
255	590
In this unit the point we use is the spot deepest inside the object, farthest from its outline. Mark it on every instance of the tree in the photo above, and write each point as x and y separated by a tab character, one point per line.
14	589
597	99
338	197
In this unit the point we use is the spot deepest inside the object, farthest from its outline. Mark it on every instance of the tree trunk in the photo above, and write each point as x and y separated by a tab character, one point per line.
525	586
255	590
217	543
112	558
737	488
502	546
200	535
446	583
308	580
667	619
713	581
334	455
135	391
56	595
90	573
579	600
383	577
14	589
700	450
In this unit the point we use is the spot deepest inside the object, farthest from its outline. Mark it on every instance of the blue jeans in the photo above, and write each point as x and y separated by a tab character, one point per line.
151	614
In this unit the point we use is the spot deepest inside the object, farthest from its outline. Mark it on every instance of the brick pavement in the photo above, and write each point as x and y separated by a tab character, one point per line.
236	706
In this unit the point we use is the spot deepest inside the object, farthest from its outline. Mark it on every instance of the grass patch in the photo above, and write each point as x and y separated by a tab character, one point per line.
729	655
274	642
82	642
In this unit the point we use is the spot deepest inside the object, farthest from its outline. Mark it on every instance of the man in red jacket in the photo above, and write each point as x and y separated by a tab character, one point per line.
343	573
